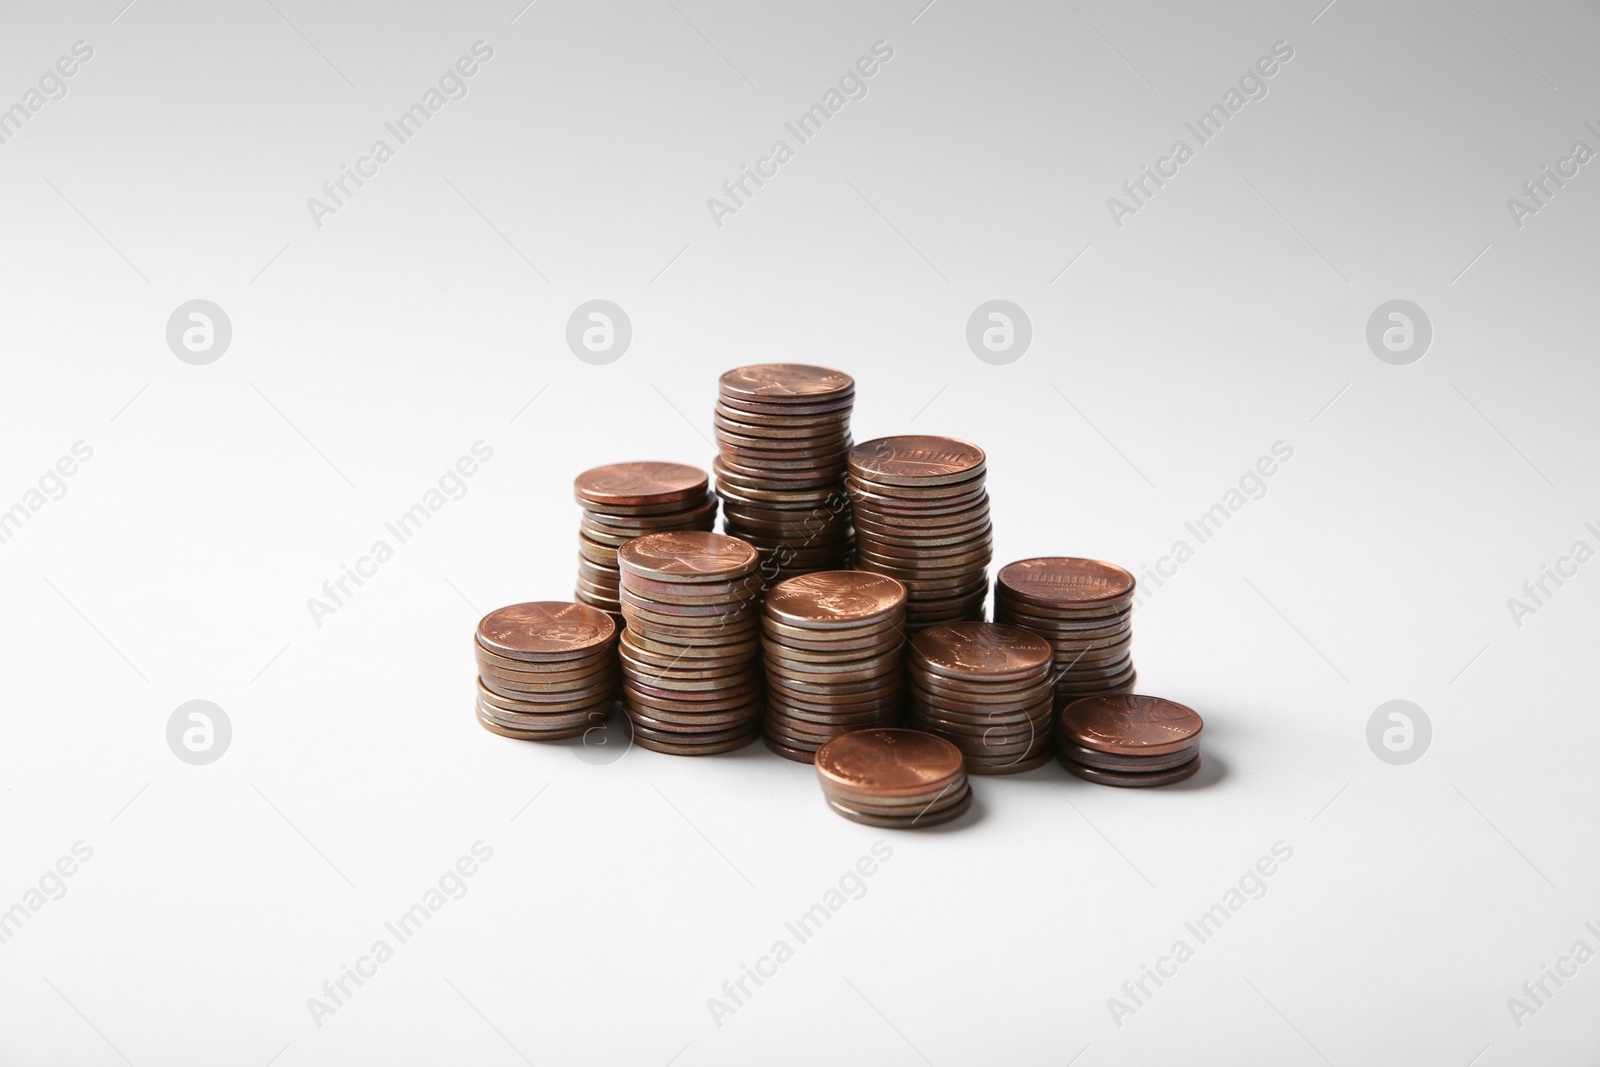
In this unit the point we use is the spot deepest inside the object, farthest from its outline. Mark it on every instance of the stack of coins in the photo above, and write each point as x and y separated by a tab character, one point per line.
1129	740
900	779
1084	608
833	643
622	501
986	689
691	671
546	670
783	431
921	514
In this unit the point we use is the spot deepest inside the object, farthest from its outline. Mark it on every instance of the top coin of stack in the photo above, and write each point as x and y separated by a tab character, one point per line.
985	688
1129	740
622	501
691	668
1084	608
546	670
834	645
921	514
898	779
783	432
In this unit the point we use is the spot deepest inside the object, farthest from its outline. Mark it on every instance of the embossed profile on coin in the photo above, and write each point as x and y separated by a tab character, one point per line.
988	648
637	484
889	761
1065	580
766	381
917	459
546	629
687	555
1131	725
835	596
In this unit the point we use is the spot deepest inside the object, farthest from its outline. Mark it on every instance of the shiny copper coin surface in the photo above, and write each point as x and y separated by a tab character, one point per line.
889	762
639	483
1131	725
545	630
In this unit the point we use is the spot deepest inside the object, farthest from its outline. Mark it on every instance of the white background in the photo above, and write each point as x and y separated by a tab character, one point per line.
369	353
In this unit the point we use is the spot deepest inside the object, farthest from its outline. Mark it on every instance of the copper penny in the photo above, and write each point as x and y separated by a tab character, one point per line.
546	630
891	762
983	649
687	556
1132	779
1131	725
770	382
917	460
640	483
1066	581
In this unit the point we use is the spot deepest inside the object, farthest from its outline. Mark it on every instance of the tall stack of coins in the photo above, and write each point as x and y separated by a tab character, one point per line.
833	643
899	779
1129	740
691	673
546	670
1084	608
783	431
985	688
921	514
622	501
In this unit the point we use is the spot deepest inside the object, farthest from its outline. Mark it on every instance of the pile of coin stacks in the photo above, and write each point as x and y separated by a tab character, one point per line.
900	779
985	688
622	501
1129	740
691	671
1084	608
833	643
921	514
783	431
546	670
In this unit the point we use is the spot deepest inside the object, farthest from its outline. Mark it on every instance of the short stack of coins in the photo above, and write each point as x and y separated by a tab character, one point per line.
691	668
921	514
898	779
783	432
622	501
1129	740
833	644
985	688
1084	608
546	670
